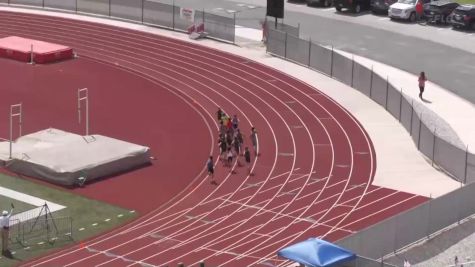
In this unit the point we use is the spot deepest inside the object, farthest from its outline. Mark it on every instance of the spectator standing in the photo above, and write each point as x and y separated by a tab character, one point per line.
254	140
422	83
419	10
5	224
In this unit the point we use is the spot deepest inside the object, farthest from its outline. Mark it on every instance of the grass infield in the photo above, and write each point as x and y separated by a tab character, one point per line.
466	2
5	204
90	217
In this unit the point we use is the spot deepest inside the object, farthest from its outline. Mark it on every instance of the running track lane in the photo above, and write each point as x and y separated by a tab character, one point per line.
313	178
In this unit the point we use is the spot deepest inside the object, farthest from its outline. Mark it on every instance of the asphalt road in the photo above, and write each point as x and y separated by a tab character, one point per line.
447	56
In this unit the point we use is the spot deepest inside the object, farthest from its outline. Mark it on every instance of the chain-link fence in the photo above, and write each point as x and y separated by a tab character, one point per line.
150	12
457	161
422	221
39	225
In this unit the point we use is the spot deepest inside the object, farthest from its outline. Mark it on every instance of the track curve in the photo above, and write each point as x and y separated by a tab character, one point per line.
313	177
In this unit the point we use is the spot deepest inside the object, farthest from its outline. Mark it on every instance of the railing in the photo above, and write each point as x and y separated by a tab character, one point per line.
455	160
424	220
149	12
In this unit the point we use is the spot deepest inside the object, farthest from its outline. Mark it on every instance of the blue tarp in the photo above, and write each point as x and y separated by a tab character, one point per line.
317	253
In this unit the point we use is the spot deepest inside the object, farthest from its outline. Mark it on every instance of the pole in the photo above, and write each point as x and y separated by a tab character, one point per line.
276	23
429	214
433	145
419	137
109	8
173	17
412	115
234	34
371	83
387	91
32	57
331	63
400	105
352	69
143	4
285	52
466	164
15	110
83	95
309	51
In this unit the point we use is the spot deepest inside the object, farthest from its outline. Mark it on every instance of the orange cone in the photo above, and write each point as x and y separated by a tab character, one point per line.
81	245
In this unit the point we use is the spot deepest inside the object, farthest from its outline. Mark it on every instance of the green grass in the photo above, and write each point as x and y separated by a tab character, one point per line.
5	204
465	2
84	212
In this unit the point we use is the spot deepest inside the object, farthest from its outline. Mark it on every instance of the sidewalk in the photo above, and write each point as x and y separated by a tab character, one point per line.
400	165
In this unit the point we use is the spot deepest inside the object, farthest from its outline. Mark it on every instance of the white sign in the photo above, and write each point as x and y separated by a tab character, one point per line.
187	14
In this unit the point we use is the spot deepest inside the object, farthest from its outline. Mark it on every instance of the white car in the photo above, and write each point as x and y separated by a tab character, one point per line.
404	9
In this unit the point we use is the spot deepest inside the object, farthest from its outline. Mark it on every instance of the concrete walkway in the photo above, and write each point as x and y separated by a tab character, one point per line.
399	165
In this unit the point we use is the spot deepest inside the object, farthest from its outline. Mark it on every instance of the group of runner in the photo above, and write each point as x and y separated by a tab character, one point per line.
230	143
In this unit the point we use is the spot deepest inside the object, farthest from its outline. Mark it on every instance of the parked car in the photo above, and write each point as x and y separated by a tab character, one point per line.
354	6
463	17
405	9
440	11
381	6
325	3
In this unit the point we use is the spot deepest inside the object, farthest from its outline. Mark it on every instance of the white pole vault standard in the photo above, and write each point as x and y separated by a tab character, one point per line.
83	97
15	111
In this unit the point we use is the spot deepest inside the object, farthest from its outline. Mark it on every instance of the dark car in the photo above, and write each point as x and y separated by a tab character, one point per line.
354	6
381	6
463	17
325	3
439	11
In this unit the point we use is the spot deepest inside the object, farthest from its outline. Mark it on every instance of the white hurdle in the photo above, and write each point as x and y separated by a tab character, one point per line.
83	96
15	111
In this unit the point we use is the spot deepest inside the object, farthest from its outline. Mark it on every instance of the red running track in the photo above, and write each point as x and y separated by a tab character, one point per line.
313	177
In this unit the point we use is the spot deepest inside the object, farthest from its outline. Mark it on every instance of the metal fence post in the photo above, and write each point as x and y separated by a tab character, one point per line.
43	4
371	83
143	6
400	106
387	89
331	63
309	51
285	47
203	18
466	165
234	27
412	115
173	17
110	7
419	137
428	217
352	69
76	6
433	145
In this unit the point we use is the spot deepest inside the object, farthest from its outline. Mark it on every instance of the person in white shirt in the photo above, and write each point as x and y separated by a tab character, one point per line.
5	225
